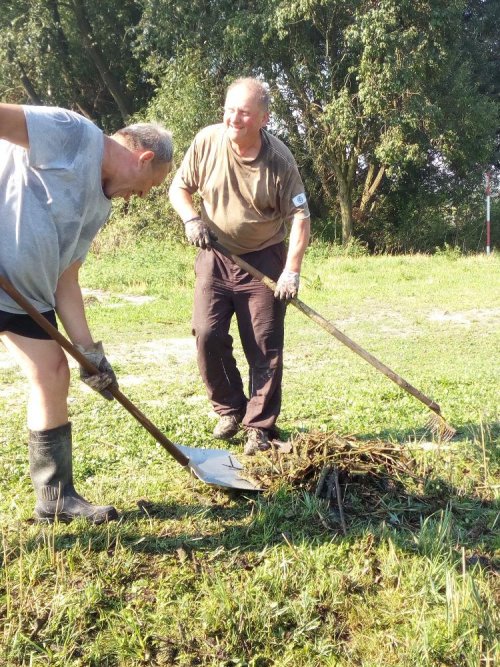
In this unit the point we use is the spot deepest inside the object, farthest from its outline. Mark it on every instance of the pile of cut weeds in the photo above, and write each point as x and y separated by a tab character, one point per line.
354	477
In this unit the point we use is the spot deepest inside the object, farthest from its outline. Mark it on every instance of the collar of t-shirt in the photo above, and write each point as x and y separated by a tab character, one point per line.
264	144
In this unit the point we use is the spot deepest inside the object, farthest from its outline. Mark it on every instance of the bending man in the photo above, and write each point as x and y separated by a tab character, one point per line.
250	187
58	173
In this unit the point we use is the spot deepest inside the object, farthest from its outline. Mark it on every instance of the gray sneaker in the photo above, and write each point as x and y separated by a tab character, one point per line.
226	427
257	441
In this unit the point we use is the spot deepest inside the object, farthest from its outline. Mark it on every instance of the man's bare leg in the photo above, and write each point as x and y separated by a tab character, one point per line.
50	443
45	366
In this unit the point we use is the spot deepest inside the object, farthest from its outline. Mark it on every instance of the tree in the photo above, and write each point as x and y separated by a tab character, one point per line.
482	48
368	94
186	98
371	88
363	91
76	53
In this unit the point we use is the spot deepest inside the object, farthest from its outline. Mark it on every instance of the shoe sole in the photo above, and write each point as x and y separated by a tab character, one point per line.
42	517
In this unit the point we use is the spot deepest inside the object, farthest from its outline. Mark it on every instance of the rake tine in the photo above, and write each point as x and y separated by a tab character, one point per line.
440	428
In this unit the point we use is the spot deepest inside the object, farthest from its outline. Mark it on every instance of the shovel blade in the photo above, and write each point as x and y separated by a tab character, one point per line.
217	467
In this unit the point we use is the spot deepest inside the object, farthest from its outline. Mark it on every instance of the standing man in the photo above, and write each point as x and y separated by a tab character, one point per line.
250	187
58	173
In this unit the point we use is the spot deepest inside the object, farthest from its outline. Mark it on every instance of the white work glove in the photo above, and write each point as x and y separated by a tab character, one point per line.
287	286
198	233
105	378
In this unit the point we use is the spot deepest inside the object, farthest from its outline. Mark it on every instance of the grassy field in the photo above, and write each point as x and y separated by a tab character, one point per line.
194	576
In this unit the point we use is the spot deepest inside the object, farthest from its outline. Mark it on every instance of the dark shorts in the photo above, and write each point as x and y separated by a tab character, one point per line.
24	325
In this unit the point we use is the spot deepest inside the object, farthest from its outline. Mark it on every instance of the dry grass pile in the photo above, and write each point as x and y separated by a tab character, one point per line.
346	472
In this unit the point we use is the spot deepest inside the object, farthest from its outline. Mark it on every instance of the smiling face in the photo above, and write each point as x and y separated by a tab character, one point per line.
244	116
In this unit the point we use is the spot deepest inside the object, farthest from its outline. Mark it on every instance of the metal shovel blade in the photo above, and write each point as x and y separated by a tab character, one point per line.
217	467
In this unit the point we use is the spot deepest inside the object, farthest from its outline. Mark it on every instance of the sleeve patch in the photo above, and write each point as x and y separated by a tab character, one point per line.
299	200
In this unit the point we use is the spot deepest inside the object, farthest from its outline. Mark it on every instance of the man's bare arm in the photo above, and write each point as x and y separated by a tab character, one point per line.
182	201
297	243
13	126
70	306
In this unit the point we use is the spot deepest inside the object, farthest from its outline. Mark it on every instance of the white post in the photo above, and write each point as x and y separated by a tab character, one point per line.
488	224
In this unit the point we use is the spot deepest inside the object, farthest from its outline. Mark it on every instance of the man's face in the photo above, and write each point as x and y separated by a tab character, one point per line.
243	115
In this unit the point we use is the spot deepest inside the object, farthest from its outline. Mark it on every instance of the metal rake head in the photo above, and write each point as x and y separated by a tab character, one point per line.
440	428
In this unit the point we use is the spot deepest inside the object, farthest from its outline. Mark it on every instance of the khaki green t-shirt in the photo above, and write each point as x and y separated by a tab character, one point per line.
246	202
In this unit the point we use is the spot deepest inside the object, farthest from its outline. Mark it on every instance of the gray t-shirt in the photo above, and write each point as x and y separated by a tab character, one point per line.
51	202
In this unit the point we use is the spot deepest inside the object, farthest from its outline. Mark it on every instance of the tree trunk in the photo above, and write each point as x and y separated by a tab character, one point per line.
372	182
25	80
344	168
60	37
342	175
28	87
94	53
64	53
345	204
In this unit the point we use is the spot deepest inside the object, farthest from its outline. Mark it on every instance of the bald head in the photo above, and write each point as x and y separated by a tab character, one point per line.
256	88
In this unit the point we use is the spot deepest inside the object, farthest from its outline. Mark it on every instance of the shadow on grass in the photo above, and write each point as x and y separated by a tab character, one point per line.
251	525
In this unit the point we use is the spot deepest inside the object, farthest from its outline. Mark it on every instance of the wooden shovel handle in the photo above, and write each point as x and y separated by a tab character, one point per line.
83	361
328	326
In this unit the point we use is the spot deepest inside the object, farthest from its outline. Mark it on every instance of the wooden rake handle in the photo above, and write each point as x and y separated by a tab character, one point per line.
328	326
83	361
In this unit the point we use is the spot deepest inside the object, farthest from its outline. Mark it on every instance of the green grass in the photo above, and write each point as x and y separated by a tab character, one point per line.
194	576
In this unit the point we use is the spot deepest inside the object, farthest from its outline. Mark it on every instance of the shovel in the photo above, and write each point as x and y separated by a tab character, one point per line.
217	467
436	422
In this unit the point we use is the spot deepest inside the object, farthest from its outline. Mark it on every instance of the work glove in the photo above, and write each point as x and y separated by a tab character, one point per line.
106	376
287	286
198	233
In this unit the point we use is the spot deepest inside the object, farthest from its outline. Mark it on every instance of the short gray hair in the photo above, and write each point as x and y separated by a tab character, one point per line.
152	137
260	90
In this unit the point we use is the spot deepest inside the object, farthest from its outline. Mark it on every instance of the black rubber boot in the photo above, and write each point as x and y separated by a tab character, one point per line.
51	469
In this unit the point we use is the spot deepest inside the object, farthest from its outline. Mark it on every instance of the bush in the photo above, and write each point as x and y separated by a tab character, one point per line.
139	219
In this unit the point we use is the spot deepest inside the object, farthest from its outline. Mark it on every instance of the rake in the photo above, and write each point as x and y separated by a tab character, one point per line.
436	423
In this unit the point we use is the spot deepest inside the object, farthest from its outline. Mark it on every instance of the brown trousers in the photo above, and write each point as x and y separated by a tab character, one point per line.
223	289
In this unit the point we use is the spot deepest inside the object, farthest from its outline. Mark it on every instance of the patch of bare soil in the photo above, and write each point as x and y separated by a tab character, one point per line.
14	391
110	298
393	323
6	361
389	322
161	352
489	317
167	359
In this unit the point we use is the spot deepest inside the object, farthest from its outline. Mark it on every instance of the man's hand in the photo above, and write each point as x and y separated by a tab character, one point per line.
198	233
105	378
287	286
